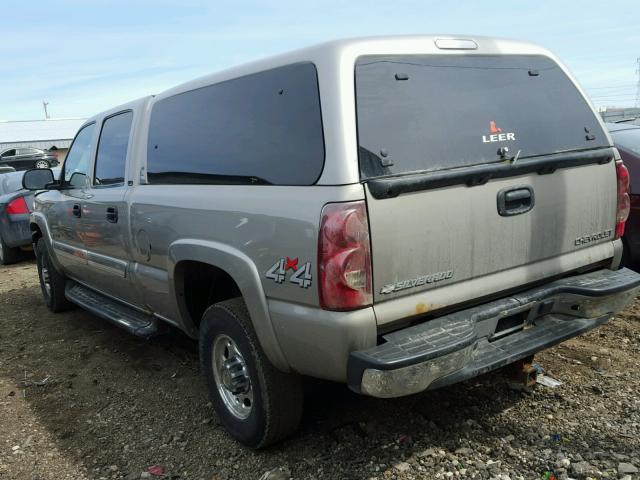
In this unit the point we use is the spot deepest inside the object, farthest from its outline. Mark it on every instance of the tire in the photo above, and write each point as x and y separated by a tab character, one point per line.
276	397
626	260
42	164
8	255
52	282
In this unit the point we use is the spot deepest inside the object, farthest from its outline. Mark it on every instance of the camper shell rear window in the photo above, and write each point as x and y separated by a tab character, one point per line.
422	113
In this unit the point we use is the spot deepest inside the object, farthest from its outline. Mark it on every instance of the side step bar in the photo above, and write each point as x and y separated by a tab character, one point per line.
136	322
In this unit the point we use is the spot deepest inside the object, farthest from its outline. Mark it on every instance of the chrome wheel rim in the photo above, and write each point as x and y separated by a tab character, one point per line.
42	164
45	277
232	377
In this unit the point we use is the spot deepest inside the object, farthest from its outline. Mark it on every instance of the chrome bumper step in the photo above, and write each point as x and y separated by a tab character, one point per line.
467	343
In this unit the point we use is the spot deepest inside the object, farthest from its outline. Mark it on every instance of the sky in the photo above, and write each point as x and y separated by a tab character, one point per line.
83	57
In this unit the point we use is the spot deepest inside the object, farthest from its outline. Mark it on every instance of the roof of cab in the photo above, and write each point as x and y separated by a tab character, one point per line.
132	105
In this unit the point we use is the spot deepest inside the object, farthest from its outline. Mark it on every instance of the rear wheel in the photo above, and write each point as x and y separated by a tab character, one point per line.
42	164
52	282
8	255
257	404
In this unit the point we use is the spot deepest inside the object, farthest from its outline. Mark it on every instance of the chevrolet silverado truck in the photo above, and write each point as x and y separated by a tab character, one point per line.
395	213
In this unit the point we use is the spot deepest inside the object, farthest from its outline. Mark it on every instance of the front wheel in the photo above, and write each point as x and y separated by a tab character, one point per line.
52	282
257	404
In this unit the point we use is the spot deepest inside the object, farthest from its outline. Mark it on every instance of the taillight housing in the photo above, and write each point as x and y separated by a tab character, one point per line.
344	257
624	202
17	206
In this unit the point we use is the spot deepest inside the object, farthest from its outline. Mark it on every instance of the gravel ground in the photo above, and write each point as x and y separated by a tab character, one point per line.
81	399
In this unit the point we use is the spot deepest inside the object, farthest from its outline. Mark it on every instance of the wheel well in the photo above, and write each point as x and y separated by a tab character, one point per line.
36	234
200	285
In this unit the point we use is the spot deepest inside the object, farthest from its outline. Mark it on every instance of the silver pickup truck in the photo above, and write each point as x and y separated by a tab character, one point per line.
398	214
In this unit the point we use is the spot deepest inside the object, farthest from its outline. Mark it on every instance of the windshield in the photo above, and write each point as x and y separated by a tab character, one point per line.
432	112
628	139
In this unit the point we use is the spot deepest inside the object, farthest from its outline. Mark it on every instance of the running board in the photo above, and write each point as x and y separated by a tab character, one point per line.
138	323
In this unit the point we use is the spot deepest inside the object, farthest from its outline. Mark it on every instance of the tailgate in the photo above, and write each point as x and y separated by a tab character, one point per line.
509	176
427	239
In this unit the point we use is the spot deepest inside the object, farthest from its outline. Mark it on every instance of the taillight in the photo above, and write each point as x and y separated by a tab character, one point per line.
624	203
344	257
17	206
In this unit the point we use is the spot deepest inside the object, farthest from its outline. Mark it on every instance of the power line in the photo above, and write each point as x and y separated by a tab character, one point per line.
608	94
630	98
632	95
621	85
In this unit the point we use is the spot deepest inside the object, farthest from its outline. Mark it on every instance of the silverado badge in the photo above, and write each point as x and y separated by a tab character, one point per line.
416	282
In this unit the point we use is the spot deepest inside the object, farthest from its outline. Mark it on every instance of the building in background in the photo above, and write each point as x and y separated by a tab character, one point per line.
53	133
614	114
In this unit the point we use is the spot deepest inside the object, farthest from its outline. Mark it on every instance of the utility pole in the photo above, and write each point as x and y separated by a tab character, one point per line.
46	113
638	88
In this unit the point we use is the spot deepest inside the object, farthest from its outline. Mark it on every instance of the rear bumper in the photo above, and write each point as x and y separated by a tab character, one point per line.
471	342
15	230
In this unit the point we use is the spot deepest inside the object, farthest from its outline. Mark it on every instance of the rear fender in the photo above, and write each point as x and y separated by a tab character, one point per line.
244	272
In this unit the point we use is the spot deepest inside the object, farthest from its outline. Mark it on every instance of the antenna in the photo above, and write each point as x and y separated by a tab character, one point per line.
46	113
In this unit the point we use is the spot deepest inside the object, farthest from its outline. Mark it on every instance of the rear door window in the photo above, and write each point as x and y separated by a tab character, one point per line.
111	158
264	128
432	112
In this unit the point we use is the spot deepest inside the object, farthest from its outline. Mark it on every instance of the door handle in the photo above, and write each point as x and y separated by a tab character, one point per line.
112	215
77	210
515	200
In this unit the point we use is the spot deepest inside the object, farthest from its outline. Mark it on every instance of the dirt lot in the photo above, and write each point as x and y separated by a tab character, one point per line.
81	399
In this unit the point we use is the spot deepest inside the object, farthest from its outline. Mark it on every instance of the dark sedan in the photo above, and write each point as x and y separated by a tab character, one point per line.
626	137
15	207
26	158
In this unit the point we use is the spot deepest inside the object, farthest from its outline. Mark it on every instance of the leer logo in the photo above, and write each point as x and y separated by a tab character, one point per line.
497	135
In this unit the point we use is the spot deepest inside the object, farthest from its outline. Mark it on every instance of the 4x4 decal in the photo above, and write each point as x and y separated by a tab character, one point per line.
301	276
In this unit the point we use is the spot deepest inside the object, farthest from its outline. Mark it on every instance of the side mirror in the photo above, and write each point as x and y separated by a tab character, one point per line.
37	179
78	180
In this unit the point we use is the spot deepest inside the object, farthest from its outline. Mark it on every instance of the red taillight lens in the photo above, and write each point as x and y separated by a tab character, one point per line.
17	206
344	257
624	202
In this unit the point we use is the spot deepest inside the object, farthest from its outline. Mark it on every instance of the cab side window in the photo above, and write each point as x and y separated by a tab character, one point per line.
78	161
112	150
9	153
